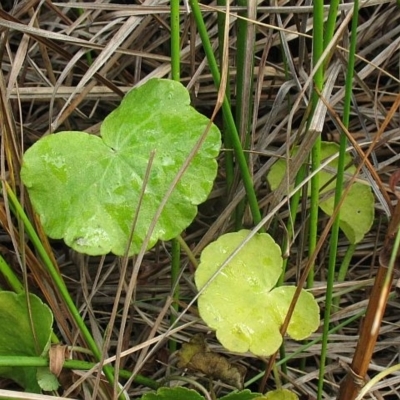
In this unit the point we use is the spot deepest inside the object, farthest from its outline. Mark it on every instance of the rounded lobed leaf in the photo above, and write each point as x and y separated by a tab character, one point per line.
15	319
47	380
242	395
357	210
356	213
238	300
281	394
17	338
326	176
305	317
87	189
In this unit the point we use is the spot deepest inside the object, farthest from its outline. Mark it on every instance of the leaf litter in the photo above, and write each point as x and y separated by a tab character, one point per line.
35	105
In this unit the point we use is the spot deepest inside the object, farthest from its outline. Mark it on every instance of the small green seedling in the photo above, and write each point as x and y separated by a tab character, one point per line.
357	210
240	301
26	332
87	189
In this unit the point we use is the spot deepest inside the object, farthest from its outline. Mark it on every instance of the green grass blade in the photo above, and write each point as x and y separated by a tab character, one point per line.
331	22
318	48
176	249
58	282
22	361
10	277
338	194
229	160
244	86
226	109
175	40
175	274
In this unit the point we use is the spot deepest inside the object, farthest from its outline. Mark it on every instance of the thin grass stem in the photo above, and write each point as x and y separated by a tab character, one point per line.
58	282
10	276
176	248
226	109
338	194
344	267
244	84
188	251
331	22
26	361
294	204
318	49
175	41
228	156
175	274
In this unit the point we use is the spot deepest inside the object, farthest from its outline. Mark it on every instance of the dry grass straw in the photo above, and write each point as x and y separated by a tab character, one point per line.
48	86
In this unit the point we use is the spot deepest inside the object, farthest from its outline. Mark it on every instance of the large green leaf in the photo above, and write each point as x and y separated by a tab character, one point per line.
357	210
24	332
240	302
86	189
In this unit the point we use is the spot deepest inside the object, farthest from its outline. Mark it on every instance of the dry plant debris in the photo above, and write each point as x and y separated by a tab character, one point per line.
66	65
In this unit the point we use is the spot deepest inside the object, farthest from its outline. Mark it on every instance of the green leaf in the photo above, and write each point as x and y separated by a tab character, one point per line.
356	213
281	394
305	318
357	210
241	304
86	189
21	338
46	380
243	395
176	393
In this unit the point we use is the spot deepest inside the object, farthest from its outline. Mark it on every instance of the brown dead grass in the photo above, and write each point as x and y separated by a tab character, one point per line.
47	85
